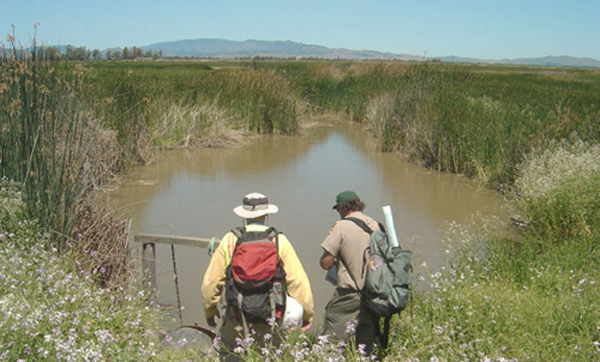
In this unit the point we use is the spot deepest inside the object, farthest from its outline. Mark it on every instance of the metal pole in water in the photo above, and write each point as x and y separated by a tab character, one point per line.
176	280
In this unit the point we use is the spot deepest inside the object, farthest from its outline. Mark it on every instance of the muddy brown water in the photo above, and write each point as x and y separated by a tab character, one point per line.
193	193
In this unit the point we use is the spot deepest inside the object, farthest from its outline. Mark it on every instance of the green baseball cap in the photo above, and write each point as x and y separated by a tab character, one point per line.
344	197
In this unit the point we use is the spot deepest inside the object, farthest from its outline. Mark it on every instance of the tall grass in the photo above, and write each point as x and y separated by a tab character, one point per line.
123	103
48	137
56	147
183	125
456	120
346	88
261	100
255	99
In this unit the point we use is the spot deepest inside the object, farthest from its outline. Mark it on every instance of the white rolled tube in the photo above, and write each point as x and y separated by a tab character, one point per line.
389	223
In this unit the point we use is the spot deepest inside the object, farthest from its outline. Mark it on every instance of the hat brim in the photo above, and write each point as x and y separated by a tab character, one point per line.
247	214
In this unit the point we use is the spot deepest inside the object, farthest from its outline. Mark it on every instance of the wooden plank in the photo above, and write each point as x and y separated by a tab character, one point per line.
172	239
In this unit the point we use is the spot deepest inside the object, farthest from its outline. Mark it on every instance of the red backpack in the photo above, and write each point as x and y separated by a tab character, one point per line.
255	279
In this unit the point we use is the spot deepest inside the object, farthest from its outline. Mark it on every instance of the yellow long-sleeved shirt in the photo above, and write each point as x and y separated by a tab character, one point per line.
296	281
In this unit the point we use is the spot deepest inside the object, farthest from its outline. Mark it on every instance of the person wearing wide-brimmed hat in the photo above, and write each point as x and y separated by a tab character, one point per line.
345	248
254	210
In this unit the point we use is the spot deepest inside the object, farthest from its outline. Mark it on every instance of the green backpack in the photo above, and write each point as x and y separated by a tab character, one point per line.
388	276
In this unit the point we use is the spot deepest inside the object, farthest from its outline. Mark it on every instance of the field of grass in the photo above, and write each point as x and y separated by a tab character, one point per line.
528	293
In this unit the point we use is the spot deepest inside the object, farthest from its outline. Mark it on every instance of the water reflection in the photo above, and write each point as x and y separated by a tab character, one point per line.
192	193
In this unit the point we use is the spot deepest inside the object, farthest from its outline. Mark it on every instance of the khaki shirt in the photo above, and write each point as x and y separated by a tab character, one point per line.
348	241
296	281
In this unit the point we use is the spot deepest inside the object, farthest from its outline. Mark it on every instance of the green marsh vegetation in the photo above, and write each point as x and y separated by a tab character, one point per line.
461	119
185	103
67	289
528	293
56	147
474	120
506	293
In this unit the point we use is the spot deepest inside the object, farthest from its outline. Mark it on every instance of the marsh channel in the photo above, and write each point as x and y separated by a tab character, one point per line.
193	193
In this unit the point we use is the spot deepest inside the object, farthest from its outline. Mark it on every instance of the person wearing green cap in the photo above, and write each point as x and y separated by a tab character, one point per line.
345	248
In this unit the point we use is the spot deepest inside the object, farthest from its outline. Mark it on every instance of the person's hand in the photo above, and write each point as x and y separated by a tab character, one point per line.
305	325
211	322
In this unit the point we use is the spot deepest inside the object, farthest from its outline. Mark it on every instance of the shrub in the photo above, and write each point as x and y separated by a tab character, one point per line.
558	190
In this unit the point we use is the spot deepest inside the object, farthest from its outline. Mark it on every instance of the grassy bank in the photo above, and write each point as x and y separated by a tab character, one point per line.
527	293
474	120
190	103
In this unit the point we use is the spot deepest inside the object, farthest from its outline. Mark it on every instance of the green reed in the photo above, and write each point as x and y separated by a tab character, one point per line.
346	87
211	104
45	136
261	100
453	119
122	103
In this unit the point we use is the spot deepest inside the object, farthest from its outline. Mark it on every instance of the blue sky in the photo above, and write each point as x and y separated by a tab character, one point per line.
484	29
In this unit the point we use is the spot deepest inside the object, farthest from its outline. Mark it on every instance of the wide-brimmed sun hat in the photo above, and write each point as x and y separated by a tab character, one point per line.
255	205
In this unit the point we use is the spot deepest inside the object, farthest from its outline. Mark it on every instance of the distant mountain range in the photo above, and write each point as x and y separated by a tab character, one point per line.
220	48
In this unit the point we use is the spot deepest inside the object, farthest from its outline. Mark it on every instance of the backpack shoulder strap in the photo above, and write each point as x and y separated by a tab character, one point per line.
361	224
275	233
364	226
238	231
232	243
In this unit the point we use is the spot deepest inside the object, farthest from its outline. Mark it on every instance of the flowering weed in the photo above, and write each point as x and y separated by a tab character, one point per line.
527	295
557	190
48	311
